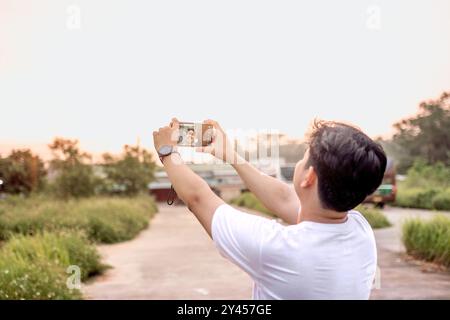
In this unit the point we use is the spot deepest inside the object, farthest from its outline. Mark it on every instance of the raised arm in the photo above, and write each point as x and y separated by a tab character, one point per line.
190	188
277	196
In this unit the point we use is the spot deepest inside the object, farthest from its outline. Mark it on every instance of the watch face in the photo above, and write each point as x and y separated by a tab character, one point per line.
165	150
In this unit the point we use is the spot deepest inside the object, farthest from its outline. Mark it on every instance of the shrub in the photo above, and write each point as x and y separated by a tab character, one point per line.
35	267
64	249
424	176
441	201
375	217
423	198
75	181
415	198
426	187
249	200
106	220
42	280
428	240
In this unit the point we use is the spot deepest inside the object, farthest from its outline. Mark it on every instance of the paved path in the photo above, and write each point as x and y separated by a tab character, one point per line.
175	259
401	277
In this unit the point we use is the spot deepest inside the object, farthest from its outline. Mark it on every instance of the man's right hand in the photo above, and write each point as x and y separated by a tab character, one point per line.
220	147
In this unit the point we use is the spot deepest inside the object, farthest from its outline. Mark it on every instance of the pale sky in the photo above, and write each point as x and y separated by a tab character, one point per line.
119	69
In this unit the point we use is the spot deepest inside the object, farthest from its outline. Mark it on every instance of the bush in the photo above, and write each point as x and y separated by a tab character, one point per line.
35	267
105	220
423	198
375	217
426	187
441	201
415	198
424	176
42	280
428	240
249	200
76	181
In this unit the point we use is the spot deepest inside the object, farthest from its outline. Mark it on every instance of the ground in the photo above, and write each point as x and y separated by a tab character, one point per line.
176	259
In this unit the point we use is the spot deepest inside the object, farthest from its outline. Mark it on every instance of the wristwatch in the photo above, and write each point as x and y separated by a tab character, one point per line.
165	151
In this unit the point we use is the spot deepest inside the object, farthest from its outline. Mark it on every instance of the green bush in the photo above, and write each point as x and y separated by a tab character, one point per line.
34	267
375	217
77	181
415	198
105	220
42	280
249	200
426	187
428	240
423	198
423	176
441	201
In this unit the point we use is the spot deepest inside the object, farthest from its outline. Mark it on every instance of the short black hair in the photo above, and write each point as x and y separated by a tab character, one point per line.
349	165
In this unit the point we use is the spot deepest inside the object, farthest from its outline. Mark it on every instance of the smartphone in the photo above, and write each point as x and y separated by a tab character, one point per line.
195	134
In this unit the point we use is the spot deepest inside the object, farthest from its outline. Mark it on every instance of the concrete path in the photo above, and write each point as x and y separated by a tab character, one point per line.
402	277
175	259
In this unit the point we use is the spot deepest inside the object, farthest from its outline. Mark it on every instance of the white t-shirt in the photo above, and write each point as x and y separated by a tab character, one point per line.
305	261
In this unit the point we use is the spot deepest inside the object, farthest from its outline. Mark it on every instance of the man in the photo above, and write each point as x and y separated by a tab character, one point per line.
327	250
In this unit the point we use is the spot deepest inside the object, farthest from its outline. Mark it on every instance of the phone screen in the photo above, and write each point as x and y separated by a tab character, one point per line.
195	134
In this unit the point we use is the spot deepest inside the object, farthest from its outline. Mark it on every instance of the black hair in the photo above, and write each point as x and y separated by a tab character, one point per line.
349	165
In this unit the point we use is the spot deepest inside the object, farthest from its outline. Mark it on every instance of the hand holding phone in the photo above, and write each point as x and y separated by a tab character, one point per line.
195	134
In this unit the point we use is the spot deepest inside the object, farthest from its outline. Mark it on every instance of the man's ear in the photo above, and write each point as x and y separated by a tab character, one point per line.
309	179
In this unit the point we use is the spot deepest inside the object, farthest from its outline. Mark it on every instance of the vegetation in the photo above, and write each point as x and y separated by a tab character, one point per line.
47	225
21	172
129	173
106	220
45	236
35	267
424	137
249	200
374	216
428	240
74	176
426	186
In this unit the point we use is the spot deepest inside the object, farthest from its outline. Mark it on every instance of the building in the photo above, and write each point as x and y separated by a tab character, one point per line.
222	179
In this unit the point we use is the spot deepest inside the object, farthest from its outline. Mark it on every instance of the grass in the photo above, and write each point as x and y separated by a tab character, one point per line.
375	217
249	200
34	267
43	237
425	187
105	220
428	240
430	198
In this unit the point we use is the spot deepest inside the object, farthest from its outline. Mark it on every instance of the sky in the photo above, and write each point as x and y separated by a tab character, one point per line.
108	72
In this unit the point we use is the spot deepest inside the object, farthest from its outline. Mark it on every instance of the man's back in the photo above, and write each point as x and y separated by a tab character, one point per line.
305	261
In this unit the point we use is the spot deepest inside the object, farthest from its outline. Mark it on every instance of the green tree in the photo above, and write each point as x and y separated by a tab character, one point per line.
129	173
74	175
425	136
22	172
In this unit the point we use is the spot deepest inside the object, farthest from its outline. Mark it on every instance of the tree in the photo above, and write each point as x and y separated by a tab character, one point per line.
129	173
74	177
425	136
22	172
